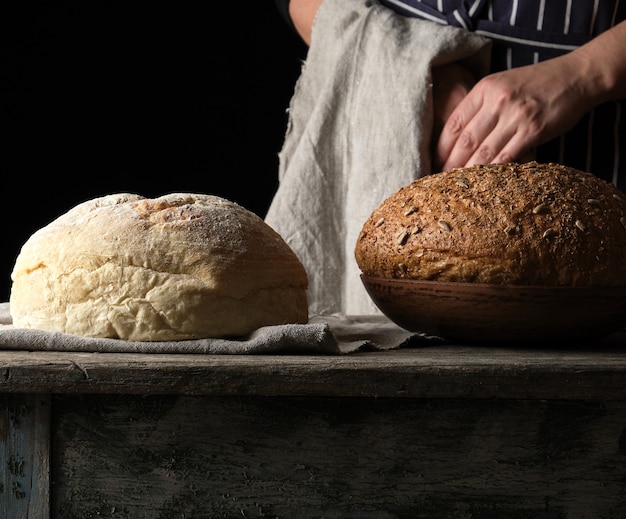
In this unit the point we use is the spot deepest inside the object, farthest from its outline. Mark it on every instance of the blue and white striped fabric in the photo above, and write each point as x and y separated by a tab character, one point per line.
528	31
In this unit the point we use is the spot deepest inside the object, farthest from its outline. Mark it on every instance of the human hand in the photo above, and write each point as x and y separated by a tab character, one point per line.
451	83
508	113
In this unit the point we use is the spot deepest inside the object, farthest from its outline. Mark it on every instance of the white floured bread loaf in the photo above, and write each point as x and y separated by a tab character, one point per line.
182	266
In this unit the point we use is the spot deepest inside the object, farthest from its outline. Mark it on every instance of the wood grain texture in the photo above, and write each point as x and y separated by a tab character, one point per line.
24	456
591	372
136	457
486	314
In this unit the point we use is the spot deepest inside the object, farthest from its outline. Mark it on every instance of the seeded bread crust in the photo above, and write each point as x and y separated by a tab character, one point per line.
519	224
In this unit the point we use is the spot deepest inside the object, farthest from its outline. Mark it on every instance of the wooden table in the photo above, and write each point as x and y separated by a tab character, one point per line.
447	431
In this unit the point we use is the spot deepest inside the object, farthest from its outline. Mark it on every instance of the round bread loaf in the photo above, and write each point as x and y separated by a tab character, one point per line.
519	224
182	266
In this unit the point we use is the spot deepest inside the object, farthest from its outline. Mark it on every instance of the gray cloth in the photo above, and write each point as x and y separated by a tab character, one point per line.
323	335
359	129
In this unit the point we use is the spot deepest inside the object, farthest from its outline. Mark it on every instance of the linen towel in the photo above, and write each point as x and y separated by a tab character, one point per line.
333	334
359	129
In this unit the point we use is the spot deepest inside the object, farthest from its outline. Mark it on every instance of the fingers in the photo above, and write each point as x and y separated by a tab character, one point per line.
474	136
498	120
455	141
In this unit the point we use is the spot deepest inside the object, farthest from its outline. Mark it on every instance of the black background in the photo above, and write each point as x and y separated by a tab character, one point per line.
99	97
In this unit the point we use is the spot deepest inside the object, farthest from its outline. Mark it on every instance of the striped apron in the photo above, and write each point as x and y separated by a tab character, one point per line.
524	32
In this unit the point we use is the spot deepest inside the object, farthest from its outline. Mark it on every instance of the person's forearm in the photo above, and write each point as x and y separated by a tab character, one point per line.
603	64
302	14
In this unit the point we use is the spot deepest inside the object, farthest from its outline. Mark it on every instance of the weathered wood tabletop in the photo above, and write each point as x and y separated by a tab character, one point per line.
447	371
450	431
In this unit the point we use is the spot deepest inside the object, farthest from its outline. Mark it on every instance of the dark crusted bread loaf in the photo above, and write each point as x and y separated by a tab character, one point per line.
521	224
181	266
